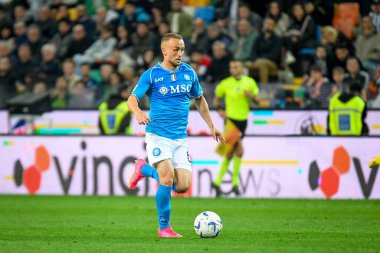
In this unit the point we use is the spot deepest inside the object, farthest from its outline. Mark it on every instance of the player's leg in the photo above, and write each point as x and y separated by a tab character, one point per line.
142	170
182	164
239	151
157	149
182	180
222	171
163	197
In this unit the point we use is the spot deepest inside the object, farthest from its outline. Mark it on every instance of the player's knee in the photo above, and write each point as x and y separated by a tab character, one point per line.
167	179
183	187
239	153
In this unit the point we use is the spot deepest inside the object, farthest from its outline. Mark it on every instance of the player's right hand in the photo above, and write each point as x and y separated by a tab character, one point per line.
142	118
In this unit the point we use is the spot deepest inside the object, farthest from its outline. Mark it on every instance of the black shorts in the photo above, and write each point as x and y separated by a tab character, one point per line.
241	125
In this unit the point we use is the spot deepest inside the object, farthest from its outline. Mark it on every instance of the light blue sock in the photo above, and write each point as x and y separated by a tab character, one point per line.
174	188
163	205
148	171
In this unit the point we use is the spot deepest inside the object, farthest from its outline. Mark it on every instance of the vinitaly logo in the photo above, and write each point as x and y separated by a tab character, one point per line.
31	176
328	179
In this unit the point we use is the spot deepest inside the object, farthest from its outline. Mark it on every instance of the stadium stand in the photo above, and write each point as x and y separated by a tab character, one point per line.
38	38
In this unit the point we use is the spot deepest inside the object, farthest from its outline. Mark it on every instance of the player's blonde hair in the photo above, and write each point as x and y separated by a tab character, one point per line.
169	36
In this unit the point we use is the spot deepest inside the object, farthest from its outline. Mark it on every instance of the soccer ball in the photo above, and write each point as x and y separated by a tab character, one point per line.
208	224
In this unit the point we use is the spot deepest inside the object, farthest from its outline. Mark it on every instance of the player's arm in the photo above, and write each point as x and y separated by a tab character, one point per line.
138	92
252	97
218	107
219	94
141	117
202	107
253	92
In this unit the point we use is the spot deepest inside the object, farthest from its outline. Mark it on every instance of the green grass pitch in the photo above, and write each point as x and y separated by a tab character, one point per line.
129	224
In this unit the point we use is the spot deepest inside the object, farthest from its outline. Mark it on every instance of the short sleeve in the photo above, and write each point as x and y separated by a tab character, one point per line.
254	88
219	90
143	84
196	90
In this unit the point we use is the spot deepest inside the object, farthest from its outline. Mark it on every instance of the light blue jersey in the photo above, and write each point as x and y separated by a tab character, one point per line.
169	95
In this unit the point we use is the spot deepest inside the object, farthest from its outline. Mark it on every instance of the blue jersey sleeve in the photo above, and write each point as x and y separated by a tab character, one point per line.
143	84
196	89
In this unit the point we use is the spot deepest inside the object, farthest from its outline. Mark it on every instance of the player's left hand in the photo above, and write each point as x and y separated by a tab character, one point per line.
217	135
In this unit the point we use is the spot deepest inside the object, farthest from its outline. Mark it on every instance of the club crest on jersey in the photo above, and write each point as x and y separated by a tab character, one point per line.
187	77
173	77
156	151
163	90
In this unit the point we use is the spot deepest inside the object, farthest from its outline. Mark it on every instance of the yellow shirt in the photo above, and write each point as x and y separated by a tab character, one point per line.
237	104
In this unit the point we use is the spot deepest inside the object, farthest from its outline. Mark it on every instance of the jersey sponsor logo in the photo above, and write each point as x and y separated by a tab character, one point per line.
180	88
186	76
156	151
159	79
163	90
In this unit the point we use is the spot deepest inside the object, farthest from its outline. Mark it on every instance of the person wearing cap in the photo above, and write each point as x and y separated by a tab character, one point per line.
114	114
347	112
375	14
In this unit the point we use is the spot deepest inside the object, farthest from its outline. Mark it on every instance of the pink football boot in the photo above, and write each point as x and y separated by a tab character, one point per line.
168	233
137	174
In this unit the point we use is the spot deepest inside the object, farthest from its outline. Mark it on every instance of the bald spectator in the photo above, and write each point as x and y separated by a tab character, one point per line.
79	43
180	22
242	46
199	38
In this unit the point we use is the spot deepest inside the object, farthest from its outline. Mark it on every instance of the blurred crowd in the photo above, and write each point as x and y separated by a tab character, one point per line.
80	52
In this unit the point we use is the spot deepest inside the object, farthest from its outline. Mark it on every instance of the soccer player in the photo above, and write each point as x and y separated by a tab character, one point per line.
238	90
170	86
